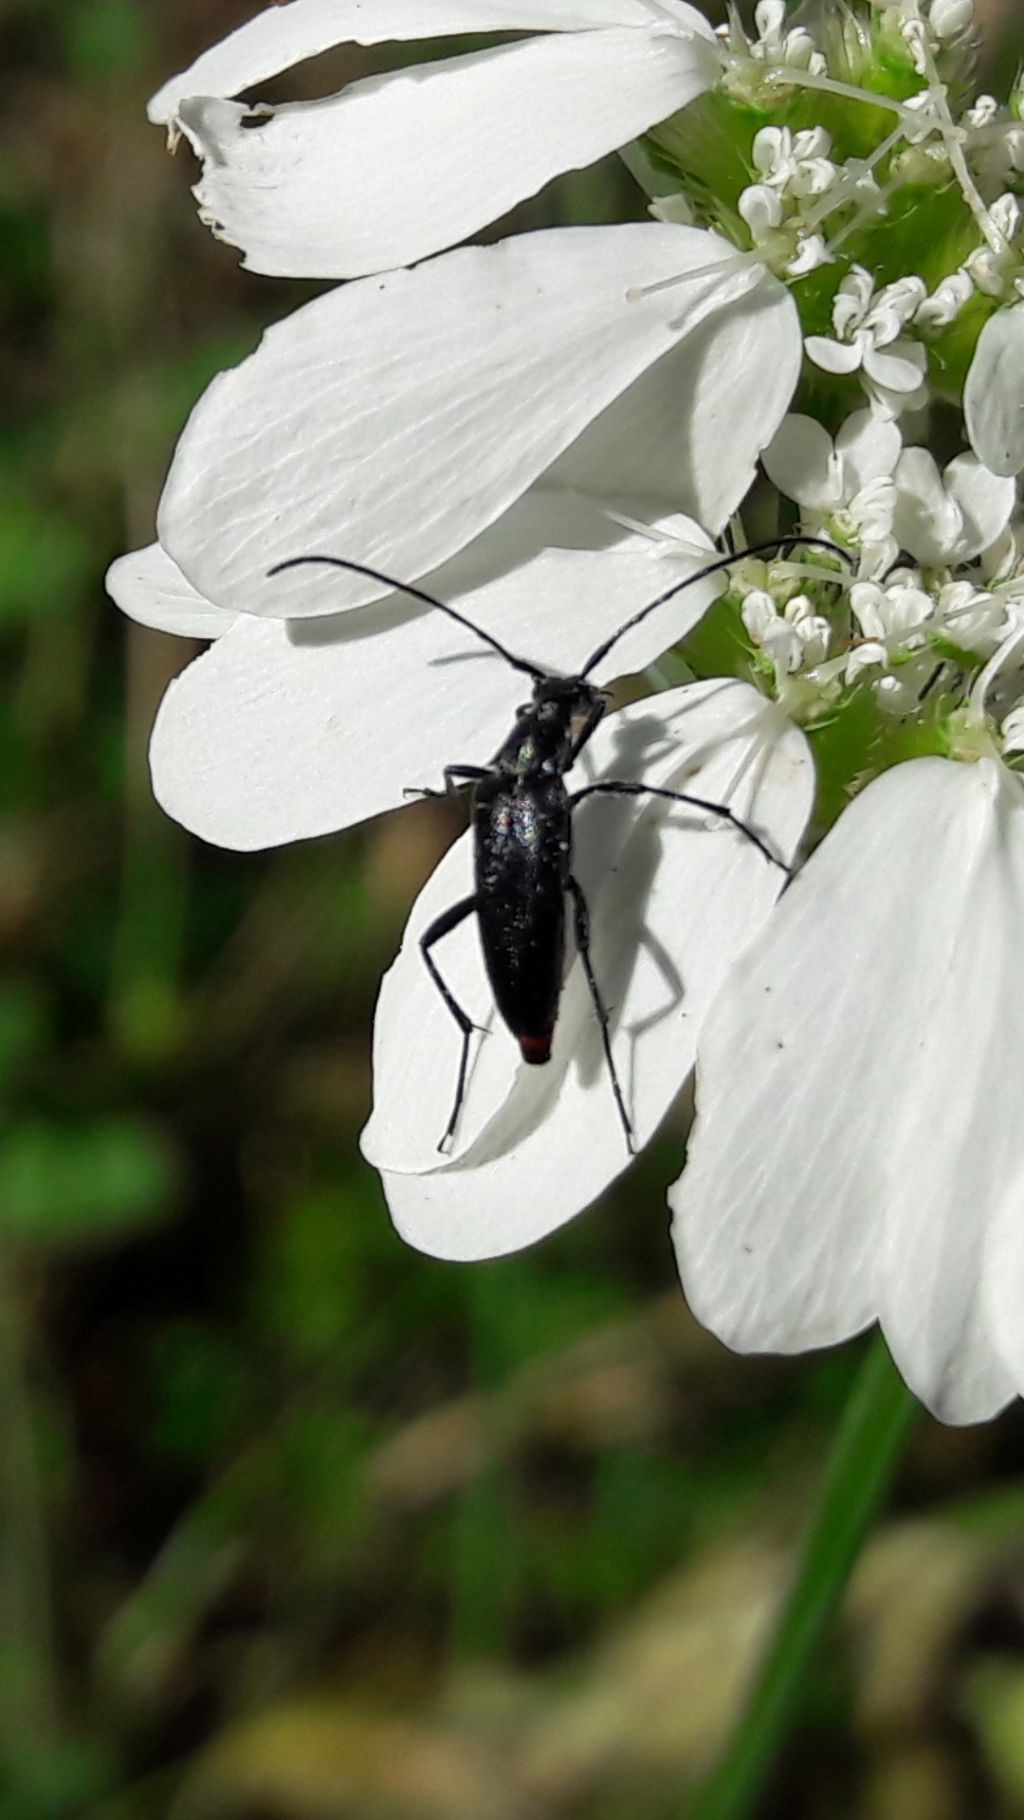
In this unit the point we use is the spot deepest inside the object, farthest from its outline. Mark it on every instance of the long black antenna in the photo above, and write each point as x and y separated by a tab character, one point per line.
712	568
521	663
429	600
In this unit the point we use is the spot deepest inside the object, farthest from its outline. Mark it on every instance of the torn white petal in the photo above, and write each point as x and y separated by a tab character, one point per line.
401	166
282	36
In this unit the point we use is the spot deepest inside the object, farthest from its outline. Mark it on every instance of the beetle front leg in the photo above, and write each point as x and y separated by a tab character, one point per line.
453	775
618	787
581	922
443	925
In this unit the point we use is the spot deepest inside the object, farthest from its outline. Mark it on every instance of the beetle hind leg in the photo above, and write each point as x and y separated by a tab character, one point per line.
581	924
441	926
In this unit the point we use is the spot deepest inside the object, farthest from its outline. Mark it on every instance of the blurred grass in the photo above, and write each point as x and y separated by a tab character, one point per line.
294	1524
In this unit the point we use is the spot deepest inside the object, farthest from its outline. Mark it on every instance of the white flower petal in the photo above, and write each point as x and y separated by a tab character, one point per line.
798	460
152	590
994	393
833	356
392	420
870	447
852	300
811	251
400	166
949	17
926	521
858	1089
673	897
276	736
1002	1284
985	502
761	209
285	35
770	146
899	367
769	17
702	455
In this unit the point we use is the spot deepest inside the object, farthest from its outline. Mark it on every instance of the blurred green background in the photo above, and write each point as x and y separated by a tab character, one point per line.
296	1524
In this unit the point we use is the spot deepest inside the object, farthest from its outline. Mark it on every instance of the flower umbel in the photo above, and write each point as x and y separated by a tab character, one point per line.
535	430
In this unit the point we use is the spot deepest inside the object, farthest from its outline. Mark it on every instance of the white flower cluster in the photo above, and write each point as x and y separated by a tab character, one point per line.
546	433
774	43
794	167
875	498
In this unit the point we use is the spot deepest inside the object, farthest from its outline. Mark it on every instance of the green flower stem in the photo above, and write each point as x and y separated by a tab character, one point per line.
873	1429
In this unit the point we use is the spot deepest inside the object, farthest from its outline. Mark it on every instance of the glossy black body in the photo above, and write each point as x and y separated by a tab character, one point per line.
522	828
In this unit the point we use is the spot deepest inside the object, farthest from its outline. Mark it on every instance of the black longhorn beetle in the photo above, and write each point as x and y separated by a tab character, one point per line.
522	836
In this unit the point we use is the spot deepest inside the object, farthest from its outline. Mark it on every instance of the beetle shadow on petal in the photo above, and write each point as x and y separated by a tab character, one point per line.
619	846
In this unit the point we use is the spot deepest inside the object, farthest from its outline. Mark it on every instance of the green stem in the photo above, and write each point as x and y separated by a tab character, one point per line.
873	1429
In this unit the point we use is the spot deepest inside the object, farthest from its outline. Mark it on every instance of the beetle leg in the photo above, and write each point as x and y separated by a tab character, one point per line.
581	921
617	787
454	775
443	925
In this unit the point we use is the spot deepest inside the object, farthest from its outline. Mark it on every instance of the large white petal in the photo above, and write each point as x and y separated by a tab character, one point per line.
1003	1278
674	895
399	166
858	1091
994	393
285	35
707	447
152	590
391	421
277	734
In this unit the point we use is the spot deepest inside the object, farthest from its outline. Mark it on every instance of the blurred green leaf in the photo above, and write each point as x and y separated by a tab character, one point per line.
995	1703
321	1460
43	555
107	38
23	1025
27	254
199	1379
63	1184
312	1282
55	1784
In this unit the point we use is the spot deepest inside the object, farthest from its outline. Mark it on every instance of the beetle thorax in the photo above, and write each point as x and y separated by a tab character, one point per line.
542	739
